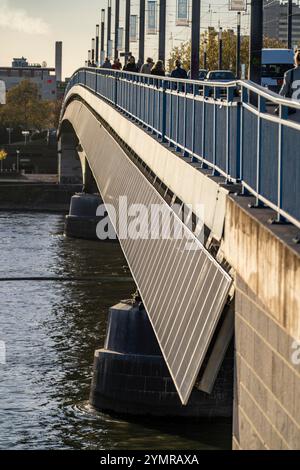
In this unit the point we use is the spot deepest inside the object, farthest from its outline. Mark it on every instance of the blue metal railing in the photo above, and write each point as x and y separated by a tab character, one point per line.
230	128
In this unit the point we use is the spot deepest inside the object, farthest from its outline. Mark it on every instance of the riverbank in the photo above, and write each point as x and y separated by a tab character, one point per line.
31	194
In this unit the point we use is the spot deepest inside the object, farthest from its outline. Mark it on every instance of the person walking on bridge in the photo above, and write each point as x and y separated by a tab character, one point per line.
147	67
131	66
117	65
179	71
291	84
159	69
106	64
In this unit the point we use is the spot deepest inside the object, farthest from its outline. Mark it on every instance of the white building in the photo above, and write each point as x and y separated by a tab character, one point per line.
43	77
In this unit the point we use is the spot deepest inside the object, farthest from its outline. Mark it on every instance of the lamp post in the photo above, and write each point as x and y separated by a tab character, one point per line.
238	46
220	48
290	23
127	30
109	28
142	32
25	134
205	54
117	23
195	58
93	51
9	130
256	40
162	30
18	161
102	55
97	45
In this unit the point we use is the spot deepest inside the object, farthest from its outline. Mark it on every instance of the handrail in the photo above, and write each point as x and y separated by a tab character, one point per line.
248	84
237	135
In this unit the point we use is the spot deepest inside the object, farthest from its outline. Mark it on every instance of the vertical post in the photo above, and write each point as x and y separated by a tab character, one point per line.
142	32
127	30
205	55
195	47
93	51
117	22
256	40
238	46
220	48
97	45
108	27
290	23
102	37
162	30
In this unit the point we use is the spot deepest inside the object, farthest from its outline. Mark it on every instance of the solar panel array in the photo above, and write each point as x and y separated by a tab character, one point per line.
183	288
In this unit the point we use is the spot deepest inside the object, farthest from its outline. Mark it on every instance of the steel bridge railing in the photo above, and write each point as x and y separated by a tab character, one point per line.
231	128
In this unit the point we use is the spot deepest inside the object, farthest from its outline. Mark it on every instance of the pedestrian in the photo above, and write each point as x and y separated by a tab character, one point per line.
289	88
147	67
131	66
106	64
117	65
179	71
159	69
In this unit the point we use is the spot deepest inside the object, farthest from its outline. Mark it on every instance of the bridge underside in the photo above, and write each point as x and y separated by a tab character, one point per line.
183	288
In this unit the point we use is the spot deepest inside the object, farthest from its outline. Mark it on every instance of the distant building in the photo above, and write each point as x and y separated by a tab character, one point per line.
58	60
43	77
276	20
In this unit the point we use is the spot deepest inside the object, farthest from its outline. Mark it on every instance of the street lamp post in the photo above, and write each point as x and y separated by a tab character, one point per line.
127	30
93	51
220	48
25	134
9	130
142	32
205	54
102	55
117	24
256	40
290	23
238	46
97	45
195	58
109	28
162	30
18	161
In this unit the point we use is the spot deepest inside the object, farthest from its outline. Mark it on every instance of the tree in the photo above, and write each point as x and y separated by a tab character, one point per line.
25	108
229	50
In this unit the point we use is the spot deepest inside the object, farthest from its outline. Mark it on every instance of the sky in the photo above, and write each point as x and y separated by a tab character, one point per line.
30	28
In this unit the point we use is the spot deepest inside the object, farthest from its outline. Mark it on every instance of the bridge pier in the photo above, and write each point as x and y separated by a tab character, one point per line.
69	165
82	221
131	377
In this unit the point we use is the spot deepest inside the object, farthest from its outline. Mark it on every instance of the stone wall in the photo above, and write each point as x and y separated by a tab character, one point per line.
267	325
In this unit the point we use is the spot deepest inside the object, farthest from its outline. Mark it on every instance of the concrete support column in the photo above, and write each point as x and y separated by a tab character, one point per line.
131	377
69	167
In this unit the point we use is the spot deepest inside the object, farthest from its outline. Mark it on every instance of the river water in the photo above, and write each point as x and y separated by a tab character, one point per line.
51	328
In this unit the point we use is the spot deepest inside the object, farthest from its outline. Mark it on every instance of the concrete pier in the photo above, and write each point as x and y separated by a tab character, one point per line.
82	220
131	377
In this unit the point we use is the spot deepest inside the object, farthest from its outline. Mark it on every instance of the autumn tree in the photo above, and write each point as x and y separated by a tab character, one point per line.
24	108
183	51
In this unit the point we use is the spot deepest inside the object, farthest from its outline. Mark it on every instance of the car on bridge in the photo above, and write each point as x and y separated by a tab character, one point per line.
202	74
221	76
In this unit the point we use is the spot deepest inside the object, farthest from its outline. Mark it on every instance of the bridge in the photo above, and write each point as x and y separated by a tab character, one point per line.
227	153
